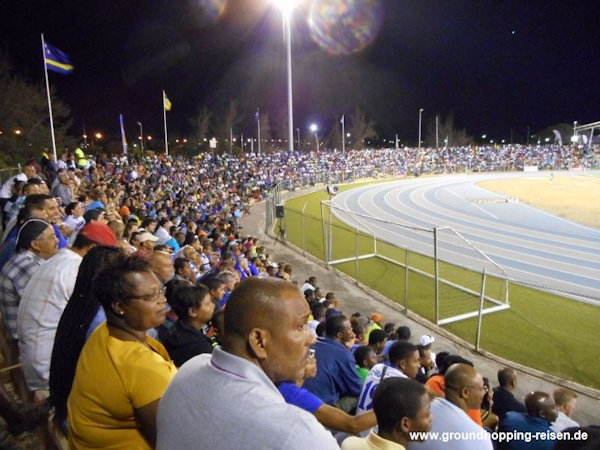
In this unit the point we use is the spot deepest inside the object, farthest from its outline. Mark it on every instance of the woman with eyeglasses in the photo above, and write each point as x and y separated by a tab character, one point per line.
122	372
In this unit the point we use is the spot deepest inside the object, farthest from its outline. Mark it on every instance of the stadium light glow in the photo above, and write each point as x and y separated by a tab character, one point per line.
286	6
313	127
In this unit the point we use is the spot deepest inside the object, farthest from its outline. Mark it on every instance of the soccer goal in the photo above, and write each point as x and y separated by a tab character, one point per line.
436	272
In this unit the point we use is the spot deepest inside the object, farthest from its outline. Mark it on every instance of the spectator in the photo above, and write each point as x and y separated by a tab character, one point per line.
576	443
30	210
337	382
402	407
237	381
309	295
216	288
82	315
183	270
147	241
311	284
435	383
135	369
390	330
36	242
377	340
359	333
44	301
162	265
488	418
95	215
541	412
318	313
403	363
464	391
62	189
504	399
229	279
329	416
194	309
99	200
425	362
426	342
565	400
376	321
365	360
74	220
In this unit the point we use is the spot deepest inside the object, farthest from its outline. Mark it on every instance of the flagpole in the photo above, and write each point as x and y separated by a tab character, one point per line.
48	94
165	120
258	126
343	136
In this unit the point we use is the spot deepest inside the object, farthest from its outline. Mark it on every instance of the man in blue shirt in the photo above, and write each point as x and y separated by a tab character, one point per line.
541	412
337	383
504	399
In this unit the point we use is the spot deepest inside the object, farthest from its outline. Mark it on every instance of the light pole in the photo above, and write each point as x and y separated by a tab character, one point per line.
343	135
314	128
286	7
420	116
141	137
298	131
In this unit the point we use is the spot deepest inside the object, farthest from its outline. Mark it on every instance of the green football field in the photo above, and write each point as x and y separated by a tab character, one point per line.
550	333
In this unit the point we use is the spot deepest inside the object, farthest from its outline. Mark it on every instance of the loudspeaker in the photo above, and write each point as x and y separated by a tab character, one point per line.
279	211
332	190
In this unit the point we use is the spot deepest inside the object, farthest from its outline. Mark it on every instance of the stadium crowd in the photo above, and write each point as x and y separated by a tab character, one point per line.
145	317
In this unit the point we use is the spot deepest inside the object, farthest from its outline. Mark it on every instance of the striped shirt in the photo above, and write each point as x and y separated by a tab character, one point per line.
14	276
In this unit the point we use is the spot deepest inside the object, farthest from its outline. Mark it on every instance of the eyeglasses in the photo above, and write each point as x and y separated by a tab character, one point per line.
151	297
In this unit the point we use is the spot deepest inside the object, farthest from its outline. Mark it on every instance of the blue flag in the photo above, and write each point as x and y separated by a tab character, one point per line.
57	60
123	139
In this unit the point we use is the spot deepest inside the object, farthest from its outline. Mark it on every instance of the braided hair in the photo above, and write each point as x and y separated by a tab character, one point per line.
73	326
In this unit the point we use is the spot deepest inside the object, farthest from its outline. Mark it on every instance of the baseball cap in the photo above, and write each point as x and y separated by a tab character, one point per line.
147	236
377	317
99	233
426	340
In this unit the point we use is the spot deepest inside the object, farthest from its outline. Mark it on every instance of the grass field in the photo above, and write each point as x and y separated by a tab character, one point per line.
540	330
576	198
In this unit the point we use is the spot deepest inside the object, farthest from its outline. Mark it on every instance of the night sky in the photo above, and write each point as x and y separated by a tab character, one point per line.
495	65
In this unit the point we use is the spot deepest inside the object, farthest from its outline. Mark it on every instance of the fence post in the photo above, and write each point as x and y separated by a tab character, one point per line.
329	243
356	255
479	317
436	277
406	280
303	232
267	214
324	235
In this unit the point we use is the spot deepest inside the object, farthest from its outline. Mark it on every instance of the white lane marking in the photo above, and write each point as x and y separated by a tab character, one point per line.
472	204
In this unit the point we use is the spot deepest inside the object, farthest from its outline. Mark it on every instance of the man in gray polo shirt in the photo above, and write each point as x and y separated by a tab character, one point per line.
229	399
455	429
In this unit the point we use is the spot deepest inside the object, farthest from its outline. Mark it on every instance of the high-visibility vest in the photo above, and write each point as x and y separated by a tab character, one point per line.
81	159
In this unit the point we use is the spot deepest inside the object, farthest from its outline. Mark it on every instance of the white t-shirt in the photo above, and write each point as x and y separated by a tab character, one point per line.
563	422
365	400
6	191
306	286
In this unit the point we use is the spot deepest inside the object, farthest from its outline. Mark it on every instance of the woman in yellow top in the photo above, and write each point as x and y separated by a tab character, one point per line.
121	373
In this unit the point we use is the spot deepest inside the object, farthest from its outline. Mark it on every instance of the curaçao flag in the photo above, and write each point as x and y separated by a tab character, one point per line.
57	60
